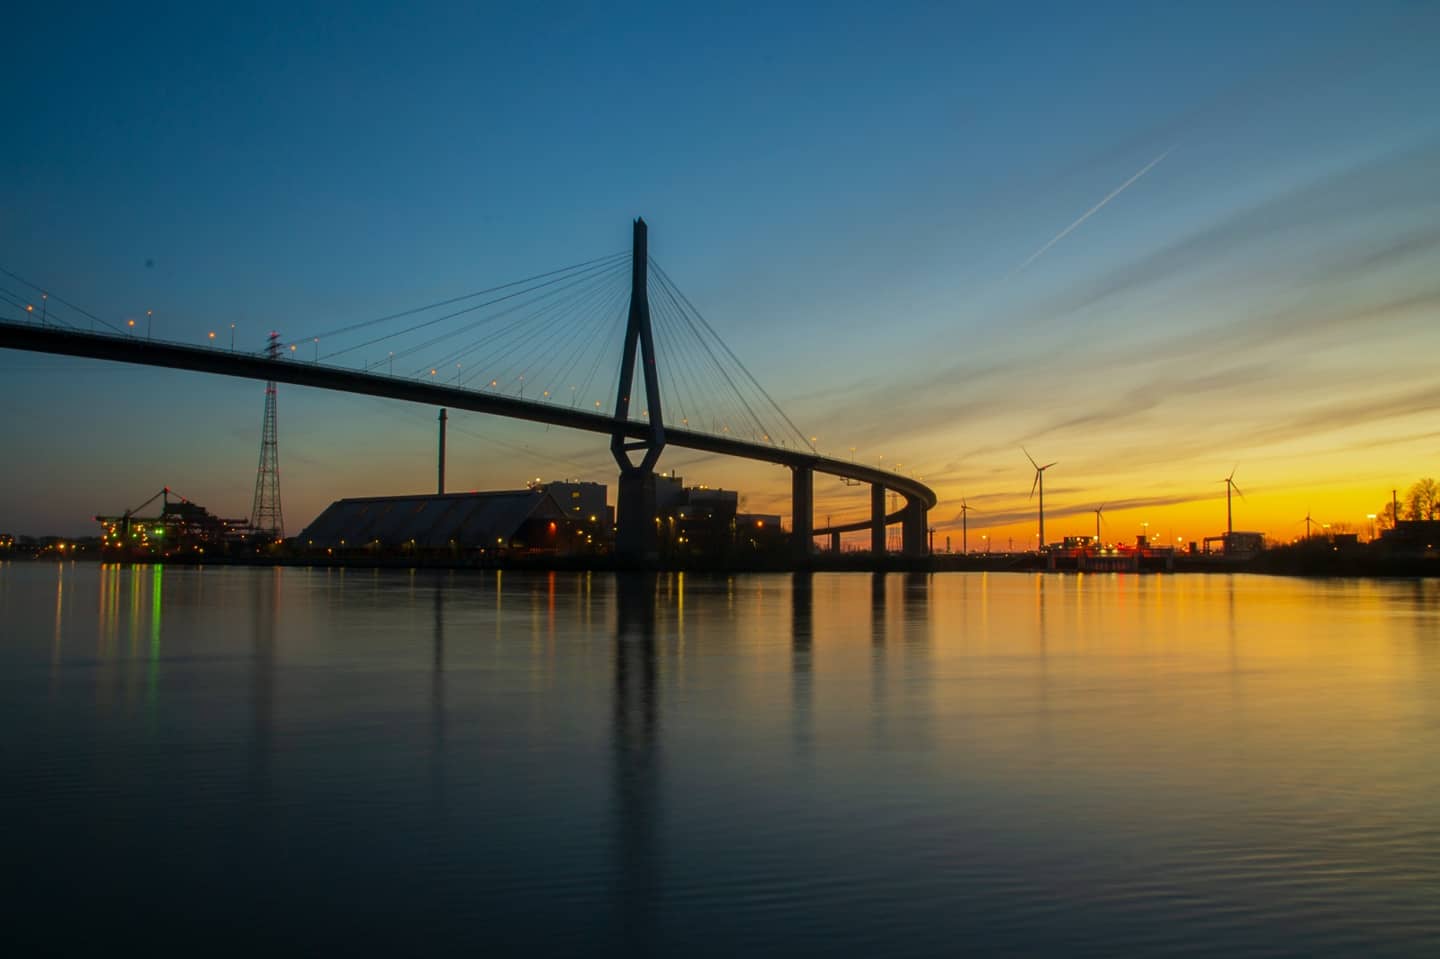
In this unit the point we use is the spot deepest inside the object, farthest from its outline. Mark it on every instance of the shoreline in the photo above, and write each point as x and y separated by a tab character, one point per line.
1308	566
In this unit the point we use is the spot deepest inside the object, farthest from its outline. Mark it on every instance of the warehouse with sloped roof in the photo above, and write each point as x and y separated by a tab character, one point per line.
511	521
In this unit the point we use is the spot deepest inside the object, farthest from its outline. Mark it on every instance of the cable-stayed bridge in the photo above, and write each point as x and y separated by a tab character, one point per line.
560	348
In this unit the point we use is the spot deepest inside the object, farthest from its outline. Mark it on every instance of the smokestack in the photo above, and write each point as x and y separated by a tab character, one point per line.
443	417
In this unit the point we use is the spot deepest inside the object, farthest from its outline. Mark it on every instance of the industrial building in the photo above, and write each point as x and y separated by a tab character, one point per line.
583	502
509	522
702	521
1412	537
182	527
1235	544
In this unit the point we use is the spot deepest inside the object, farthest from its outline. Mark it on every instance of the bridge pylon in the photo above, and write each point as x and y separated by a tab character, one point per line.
636	536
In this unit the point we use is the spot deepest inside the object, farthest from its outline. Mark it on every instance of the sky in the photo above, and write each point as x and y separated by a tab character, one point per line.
1153	243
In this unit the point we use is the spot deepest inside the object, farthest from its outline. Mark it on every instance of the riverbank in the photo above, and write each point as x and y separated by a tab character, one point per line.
1279	562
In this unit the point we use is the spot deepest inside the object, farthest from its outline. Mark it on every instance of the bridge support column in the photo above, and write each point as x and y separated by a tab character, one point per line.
912	529
802	513
636	536
835	543
636	540
440	485
877	520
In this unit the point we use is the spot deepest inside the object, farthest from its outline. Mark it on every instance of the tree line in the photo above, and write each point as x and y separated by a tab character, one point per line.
1420	502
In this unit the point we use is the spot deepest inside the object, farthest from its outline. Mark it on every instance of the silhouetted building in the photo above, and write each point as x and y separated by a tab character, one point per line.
1412	537
506	522
1236	545
584	503
181	527
705	521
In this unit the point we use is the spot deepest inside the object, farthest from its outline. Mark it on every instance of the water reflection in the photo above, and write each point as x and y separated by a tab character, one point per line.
266	603
647	764
437	696
635	746
802	636
879	656
59	626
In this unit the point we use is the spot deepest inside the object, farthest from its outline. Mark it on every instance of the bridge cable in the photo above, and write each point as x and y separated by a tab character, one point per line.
523	335
569	282
563	329
753	417
725	373
617	333
737	415
60	300
469	309
692	373
671	372
513	325
666	278
665	374
596	344
456	299
539	342
679	359
583	344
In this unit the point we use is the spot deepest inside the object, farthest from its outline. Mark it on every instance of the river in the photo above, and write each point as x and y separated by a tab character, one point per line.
325	761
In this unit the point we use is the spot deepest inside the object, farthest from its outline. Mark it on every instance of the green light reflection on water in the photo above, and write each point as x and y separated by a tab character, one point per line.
156	584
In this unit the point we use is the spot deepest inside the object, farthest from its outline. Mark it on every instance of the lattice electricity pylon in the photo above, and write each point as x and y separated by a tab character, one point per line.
265	514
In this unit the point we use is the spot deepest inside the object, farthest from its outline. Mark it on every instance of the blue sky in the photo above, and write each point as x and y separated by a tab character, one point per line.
847	194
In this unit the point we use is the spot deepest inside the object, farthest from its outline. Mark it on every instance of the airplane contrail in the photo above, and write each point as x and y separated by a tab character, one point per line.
1089	213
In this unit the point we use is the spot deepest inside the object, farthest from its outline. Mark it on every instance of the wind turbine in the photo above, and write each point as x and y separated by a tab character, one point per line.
1097	511
1040	484
1307	523
965	509
1229	482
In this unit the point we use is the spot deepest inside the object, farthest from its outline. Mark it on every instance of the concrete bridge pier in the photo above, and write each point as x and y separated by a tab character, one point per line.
802	513
636	540
877	519
912	528
835	543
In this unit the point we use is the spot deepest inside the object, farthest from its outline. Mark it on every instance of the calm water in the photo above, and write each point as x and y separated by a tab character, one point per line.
1009	764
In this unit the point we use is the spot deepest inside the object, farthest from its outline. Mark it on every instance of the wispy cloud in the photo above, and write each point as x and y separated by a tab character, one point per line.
1029	513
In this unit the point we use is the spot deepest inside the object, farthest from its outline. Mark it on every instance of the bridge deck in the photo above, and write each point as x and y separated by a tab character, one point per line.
201	359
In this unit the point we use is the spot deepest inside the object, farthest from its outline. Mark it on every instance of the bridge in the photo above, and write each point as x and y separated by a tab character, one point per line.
648	434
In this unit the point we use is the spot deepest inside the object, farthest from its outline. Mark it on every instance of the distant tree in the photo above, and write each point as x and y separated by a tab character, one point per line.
1423	500
1385	516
